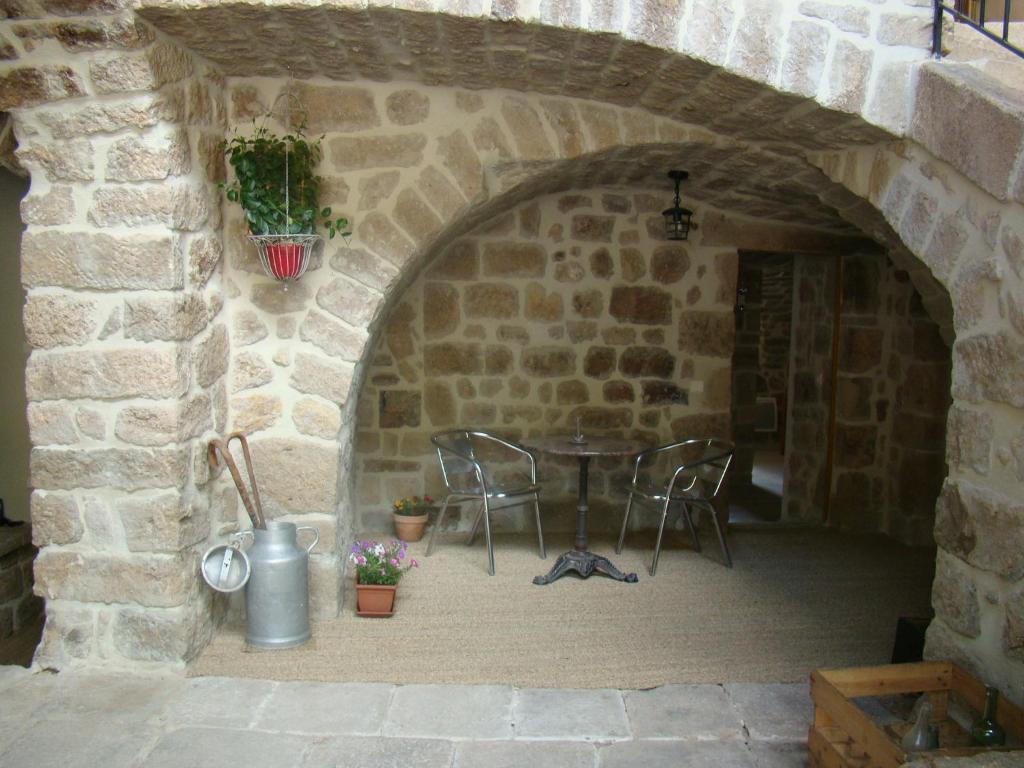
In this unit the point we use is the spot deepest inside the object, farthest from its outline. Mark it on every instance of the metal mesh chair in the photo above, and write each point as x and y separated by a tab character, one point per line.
483	467
689	474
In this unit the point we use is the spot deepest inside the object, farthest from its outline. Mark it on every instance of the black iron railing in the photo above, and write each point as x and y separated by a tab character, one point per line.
974	13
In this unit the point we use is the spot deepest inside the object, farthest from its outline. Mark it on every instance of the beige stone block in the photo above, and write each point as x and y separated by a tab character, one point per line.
981	527
100	261
124	468
564	120
165	522
380	235
914	29
250	370
315	375
160	425
136	113
270	298
296	476
247	328
29	86
989	366
513	259
89	34
955	596
641	305
55	320
210	356
407	107
68	636
51	424
92	423
969	439
325	586
804	62
352	153
71	160
152	158
204	254
601	124
165	635
368	268
440	193
52	208
414	216
490	140
335	108
462	162
316	418
848	77
374	190
526	128
446	358
153	581
107	374
490	300
332	337
254	412
166	317
55	519
669	264
548	361
460	261
444	315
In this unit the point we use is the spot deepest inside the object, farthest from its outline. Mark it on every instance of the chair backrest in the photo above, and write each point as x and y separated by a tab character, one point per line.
457	450
701	460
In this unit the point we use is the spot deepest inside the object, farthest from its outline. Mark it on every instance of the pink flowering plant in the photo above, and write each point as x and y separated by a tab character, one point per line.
413	505
379	563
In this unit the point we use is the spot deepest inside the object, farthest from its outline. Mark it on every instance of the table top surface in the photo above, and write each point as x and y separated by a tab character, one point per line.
561	445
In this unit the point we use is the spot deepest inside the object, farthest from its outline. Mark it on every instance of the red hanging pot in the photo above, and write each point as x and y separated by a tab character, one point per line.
285	260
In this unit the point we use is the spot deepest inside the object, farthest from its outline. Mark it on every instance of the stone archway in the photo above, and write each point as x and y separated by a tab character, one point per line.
839	87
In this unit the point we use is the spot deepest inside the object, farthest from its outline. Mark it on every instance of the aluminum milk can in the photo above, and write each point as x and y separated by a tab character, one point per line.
277	595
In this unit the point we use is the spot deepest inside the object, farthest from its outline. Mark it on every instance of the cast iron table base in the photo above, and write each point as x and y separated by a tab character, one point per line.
579	559
584	563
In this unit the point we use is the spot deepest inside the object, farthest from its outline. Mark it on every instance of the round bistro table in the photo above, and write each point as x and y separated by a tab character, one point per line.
579	558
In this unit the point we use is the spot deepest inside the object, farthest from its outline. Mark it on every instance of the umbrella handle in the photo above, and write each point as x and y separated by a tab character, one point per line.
240	437
217	447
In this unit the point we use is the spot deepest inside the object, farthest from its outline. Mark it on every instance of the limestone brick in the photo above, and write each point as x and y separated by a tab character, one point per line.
57	320
153	581
107	374
351	153
203	256
375	189
379	234
51	208
164	635
461	161
252	412
304	479
164	522
955	597
848	18
645	306
981	527
270	298
445	313
29	86
407	107
989	366
848	76
332	337
316	418
490	300
100	261
512	259
315	375
55	519
162	424
336	108
526	128
168	317
247	328
124	468
51	424
969	439
148	159
414	216
210	356
249	370
72	160
368	268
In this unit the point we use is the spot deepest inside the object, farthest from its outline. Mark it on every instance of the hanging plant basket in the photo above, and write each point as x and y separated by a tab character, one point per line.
285	257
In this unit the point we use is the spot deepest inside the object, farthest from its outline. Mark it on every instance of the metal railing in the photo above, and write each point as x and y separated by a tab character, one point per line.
974	14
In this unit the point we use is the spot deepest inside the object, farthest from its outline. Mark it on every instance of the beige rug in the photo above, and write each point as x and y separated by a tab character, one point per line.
795	600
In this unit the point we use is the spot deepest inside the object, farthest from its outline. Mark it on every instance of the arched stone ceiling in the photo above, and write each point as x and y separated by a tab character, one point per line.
325	39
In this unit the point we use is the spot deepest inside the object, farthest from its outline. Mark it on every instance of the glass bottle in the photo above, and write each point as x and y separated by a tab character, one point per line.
986	732
916	737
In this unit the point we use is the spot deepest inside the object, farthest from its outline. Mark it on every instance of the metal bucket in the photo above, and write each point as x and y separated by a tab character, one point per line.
277	595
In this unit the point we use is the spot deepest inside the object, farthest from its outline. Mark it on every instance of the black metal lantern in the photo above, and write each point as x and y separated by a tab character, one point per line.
677	218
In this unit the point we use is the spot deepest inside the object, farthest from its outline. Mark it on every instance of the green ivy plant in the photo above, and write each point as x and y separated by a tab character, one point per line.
259	186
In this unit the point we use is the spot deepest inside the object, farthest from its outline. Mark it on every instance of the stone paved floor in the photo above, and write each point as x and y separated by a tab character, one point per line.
72	720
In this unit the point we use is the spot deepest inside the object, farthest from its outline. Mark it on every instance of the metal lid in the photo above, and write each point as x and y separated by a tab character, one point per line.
226	568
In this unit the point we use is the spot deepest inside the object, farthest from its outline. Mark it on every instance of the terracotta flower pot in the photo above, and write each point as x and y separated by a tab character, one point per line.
375	599
410	527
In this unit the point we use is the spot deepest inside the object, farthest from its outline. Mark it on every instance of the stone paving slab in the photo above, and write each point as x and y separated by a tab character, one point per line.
354	709
570	715
697	712
76	719
451	712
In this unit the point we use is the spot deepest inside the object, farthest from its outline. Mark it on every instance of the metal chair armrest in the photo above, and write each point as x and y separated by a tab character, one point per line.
514	447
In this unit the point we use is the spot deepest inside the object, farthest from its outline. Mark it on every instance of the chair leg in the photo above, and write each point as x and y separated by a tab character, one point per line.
721	538
476	526
487	535
692	528
437	525
540	531
625	522
657	542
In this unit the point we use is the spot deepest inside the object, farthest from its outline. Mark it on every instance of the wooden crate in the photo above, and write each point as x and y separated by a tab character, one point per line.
843	736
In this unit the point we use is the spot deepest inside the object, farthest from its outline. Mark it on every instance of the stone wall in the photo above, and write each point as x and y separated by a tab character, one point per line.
891	402
123	314
570	306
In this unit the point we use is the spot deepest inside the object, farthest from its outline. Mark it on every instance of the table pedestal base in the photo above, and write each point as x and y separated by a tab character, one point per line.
584	563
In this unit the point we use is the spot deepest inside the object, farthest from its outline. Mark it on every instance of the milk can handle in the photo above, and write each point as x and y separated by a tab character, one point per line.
316	535
236	538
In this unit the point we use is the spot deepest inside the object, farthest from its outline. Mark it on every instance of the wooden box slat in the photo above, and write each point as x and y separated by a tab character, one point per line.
843	736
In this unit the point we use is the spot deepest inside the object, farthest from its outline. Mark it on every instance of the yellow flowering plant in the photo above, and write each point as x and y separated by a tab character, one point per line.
413	505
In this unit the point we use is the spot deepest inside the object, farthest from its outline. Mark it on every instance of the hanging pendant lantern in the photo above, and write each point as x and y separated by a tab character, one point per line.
677	218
